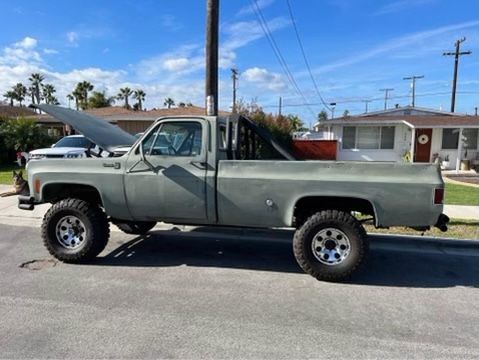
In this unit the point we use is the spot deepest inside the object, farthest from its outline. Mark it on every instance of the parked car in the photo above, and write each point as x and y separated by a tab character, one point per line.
72	146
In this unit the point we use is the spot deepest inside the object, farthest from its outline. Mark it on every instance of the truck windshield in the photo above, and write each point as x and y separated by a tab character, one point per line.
75	142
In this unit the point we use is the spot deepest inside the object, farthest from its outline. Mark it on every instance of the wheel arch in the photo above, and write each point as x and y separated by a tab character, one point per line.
52	192
308	205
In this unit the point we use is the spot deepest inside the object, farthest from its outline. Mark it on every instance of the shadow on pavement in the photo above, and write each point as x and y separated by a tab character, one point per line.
385	268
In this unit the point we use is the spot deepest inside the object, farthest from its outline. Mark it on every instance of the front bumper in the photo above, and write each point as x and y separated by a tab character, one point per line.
26	202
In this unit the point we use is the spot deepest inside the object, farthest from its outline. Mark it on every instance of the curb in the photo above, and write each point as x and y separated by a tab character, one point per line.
451	181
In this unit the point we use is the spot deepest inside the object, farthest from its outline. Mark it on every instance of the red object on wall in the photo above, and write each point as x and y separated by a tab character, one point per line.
315	149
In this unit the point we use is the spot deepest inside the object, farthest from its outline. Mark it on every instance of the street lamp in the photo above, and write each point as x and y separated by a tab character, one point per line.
333	106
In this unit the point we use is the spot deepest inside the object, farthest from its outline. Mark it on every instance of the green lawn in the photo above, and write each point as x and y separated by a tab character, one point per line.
461	195
6	173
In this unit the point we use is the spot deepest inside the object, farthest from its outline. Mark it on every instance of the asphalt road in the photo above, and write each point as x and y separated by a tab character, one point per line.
200	295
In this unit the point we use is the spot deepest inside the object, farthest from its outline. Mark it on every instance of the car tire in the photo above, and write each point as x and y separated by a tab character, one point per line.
75	231
331	245
135	227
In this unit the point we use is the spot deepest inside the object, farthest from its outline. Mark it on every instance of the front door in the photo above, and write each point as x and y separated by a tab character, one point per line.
423	145
170	184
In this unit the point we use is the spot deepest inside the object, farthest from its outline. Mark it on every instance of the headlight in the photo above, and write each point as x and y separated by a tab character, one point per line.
74	155
36	156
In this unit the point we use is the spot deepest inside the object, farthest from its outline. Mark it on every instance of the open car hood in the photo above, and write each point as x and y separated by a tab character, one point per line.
98	131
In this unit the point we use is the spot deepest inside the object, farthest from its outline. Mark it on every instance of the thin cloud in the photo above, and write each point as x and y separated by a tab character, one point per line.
401	5
394	44
249	9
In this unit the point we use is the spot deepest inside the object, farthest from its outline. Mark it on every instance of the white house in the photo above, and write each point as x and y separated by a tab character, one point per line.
406	134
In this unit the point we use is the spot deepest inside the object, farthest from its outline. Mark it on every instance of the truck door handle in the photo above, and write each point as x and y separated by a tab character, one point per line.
198	164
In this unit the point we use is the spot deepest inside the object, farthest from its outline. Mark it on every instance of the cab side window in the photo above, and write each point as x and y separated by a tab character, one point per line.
175	139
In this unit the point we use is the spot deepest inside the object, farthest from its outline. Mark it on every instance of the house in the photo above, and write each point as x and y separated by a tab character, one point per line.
406	134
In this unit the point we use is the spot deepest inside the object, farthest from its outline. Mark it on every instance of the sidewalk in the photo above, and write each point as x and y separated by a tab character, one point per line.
10	213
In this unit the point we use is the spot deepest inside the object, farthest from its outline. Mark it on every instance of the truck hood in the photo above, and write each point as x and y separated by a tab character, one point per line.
98	131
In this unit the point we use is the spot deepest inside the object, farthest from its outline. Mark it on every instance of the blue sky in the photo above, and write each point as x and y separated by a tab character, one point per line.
354	47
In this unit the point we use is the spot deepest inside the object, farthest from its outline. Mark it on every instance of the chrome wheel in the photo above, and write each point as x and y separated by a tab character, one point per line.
331	246
70	232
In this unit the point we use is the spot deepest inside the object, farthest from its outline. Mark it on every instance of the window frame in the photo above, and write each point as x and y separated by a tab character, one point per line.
157	128
356	132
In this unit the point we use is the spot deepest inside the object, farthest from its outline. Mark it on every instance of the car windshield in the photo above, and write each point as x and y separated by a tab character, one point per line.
76	142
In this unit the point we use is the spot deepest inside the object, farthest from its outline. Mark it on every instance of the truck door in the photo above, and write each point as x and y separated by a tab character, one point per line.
165	179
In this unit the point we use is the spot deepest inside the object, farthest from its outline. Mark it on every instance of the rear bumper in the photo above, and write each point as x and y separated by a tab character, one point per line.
442	222
26	202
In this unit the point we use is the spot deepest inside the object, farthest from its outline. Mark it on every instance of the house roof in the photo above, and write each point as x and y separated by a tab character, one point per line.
410	111
116	113
418	121
15	111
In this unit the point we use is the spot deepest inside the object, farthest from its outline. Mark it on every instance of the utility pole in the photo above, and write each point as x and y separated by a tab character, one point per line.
211	85
413	79
234	76
456	54
386	96
280	106
366	103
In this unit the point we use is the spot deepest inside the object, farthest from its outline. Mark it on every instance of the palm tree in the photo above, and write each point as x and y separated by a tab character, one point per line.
20	91
78	95
139	95
11	96
124	94
47	91
36	82
86	87
169	102
31	92
70	97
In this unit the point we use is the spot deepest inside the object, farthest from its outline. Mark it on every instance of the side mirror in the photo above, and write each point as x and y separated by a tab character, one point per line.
143	158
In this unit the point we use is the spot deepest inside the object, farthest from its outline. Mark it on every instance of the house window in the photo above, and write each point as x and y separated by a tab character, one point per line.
450	138
368	137
349	137
470	138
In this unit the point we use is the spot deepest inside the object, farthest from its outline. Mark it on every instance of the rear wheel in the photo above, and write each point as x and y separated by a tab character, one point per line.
74	230
330	245
135	227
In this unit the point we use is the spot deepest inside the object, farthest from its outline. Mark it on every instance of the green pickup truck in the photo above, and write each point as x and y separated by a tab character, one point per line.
224	171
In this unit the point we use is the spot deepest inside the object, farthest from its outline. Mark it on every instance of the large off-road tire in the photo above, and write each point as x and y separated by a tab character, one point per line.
75	231
135	227
330	245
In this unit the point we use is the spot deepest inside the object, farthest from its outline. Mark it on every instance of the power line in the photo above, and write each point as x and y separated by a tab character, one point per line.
277	52
372	99
304	55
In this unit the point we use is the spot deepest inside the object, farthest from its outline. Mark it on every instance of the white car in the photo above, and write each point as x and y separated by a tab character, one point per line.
72	146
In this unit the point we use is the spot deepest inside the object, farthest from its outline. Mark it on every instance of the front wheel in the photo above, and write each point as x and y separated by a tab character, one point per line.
74	230
330	245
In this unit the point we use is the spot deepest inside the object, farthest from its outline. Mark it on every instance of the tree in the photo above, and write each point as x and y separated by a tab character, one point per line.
70	97
47	91
99	100
323	116
346	113
139	95
36	83
78	95
169	102
31	93
10	95
23	135
181	105
20	91
124	94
